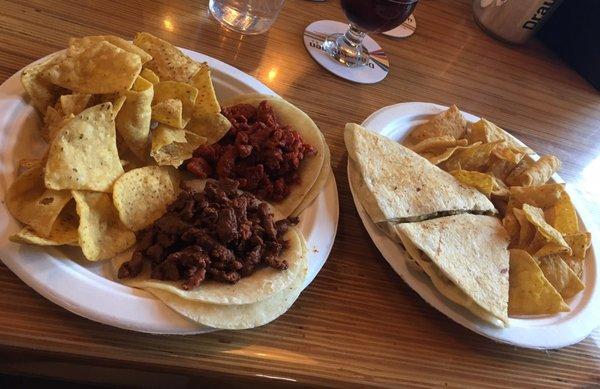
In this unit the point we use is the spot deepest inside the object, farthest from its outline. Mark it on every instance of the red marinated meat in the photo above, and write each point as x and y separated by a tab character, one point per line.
261	154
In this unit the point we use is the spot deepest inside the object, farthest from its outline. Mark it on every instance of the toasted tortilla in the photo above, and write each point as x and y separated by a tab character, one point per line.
466	258
259	286
319	183
311	166
237	317
401	186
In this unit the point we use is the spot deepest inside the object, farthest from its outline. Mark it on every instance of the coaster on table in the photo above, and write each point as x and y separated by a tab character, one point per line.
375	70
404	30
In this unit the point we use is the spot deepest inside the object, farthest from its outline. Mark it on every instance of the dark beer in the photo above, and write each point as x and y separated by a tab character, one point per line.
378	15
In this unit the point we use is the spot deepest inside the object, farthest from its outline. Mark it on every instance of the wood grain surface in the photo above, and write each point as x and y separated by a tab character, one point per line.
357	324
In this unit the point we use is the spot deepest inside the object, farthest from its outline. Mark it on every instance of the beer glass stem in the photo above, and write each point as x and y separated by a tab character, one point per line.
347	48
353	37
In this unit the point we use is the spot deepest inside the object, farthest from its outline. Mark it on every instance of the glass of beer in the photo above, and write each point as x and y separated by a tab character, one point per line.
365	16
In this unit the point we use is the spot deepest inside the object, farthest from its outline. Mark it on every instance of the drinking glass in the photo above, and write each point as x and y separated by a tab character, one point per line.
246	16
365	16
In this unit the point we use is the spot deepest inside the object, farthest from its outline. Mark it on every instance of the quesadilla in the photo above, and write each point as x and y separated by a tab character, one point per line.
398	185
466	258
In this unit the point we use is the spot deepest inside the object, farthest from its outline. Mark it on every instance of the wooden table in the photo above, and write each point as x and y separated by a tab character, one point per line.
357	323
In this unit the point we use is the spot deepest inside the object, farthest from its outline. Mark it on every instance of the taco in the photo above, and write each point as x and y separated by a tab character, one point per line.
217	246
273	149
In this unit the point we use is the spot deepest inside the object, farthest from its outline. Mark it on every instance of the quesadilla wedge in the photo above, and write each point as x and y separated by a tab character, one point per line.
466	258
398	185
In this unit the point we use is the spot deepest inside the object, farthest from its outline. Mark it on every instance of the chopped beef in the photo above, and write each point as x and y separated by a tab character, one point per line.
258	152
221	234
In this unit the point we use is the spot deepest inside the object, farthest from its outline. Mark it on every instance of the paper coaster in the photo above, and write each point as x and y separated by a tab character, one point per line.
404	30
375	70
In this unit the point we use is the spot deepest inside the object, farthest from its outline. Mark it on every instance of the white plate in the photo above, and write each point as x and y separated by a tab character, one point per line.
545	332
87	289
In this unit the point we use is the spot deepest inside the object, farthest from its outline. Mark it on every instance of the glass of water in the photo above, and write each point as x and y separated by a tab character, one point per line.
246	16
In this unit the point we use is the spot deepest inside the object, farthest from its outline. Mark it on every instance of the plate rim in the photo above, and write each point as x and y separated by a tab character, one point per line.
175	323
458	314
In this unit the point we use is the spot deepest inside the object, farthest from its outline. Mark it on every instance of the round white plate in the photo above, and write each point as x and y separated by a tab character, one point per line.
540	332
64	277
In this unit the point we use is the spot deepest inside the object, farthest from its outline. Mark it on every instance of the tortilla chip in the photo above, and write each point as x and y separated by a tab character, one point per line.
168	62
471	158
526	229
169	112
117	104
506	153
84	153
480	181
499	189
31	203
538	173
149	75
437	158
564	216
133	120
550	248
536	243
73	104
116	99
64	231
543	196
576	265
78	45
206	103
437	144
512	227
28	163
530	293
53	122
487	132
536	217
213	128
450	122
171	146
142	195
173	90
579	244
42	93
99	69
101	233
562	278
499	168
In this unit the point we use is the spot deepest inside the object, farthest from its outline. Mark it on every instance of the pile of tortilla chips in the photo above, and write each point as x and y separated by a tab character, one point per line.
118	117
547	247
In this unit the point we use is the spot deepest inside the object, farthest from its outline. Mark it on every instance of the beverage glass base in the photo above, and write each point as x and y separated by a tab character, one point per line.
338	48
246	17
317	33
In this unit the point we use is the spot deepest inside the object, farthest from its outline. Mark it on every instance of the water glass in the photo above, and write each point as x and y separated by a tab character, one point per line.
246	16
